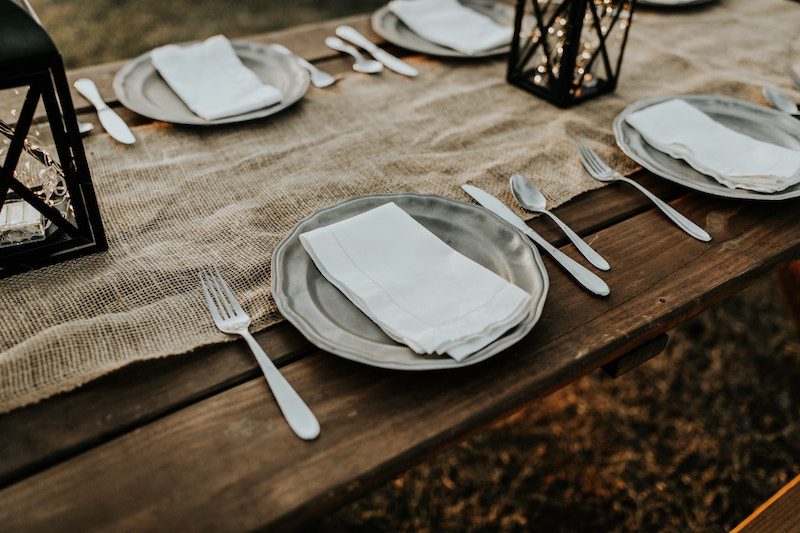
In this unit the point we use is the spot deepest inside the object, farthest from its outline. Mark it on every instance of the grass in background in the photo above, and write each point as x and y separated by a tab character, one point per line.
97	31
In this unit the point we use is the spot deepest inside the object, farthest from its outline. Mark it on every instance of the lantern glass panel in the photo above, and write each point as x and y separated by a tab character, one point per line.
48	210
569	50
38	169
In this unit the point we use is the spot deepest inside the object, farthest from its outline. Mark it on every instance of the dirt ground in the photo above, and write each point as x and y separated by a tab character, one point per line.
693	440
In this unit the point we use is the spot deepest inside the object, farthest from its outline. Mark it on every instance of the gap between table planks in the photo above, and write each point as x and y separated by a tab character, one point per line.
145	391
230	460
59	428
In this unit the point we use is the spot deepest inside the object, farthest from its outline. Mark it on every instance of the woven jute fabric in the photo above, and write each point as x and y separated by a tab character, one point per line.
181	199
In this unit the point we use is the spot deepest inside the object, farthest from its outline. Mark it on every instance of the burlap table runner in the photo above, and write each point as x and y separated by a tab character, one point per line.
183	199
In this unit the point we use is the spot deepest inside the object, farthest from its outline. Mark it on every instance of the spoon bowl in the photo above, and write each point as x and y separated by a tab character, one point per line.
527	194
362	64
368	66
531	198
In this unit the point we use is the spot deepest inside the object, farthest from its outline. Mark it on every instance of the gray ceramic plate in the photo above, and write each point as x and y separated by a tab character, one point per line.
328	319
140	88
757	121
391	28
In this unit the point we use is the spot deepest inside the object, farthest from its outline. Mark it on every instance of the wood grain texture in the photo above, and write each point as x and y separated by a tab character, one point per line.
40	435
627	362
779	514
230	461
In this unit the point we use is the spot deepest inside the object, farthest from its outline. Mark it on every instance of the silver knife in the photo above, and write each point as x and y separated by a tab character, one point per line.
112	123
348	33
582	275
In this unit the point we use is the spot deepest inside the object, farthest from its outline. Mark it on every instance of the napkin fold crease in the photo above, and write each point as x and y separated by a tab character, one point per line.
211	80
415	287
682	131
450	23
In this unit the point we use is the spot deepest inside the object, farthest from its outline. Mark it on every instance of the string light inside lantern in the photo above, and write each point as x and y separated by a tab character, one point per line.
573	49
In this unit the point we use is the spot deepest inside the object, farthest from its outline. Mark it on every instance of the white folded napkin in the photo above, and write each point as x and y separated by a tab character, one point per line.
211	80
735	160
419	290
451	24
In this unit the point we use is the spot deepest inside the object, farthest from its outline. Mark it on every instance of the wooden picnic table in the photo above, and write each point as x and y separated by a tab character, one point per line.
197	441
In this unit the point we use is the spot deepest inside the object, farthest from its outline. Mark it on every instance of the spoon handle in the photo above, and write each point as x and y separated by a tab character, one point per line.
340	46
583	247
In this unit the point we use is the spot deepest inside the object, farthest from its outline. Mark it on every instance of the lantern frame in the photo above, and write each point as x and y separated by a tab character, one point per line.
46	82
562	90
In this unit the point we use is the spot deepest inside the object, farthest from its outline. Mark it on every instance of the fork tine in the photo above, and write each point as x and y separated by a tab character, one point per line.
216	295
598	161
587	162
595	164
219	295
212	306
231	298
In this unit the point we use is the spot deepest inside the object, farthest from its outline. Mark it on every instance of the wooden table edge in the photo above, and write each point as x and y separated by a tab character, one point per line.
763	508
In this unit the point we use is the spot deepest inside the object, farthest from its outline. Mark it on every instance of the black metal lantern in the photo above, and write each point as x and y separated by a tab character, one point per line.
567	51
48	210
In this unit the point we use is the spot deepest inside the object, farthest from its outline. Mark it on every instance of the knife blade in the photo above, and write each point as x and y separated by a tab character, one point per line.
580	273
348	33
110	121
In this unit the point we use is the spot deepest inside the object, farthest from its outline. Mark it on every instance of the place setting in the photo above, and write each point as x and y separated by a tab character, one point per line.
715	144
517	203
214	82
447	28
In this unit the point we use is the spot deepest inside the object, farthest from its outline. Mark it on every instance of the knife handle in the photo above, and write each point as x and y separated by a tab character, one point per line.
88	90
582	275
351	34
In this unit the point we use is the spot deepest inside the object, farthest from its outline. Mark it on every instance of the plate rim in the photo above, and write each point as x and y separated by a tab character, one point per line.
124	72
722	191
384	11
666	6
309	332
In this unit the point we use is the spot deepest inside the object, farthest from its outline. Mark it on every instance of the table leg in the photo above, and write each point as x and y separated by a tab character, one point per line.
789	277
627	362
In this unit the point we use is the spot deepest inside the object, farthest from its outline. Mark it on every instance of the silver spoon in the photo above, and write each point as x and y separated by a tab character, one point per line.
362	64
319	78
531	198
780	102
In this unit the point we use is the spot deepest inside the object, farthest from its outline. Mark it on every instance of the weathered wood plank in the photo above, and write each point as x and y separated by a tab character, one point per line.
627	362
779	514
231	462
37	436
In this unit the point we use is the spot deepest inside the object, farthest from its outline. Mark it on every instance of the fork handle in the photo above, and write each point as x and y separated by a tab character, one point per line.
681	221
297	414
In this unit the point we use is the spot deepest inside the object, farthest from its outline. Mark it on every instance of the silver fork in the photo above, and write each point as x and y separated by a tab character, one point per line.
231	318
600	171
